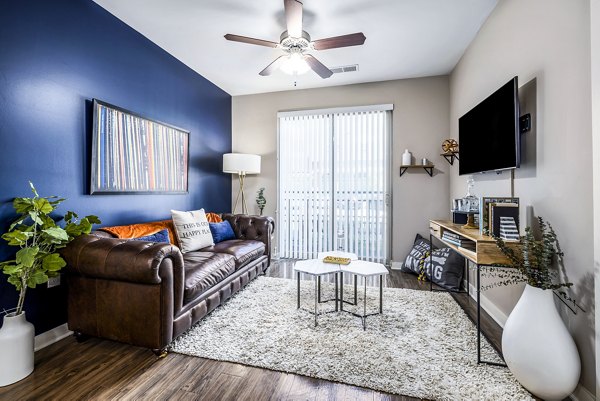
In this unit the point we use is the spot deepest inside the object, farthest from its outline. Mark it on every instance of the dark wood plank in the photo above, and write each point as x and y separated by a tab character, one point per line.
106	370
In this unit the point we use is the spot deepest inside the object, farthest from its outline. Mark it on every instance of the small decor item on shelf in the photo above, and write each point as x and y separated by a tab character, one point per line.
471	202
38	238
535	317
260	200
336	260
489	204
470	224
424	161
406	158
450	150
469	205
507	215
450	146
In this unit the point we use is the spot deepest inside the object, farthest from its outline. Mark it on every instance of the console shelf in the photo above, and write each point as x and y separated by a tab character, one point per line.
479	249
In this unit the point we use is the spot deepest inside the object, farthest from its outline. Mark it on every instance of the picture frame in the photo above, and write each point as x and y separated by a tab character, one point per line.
504	221
132	154
484	217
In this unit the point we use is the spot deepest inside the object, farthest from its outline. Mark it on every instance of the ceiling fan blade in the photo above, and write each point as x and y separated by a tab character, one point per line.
353	39
317	66
272	67
293	17
252	41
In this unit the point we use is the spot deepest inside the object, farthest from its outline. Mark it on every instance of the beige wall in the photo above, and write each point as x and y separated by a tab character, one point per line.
547	44
420	123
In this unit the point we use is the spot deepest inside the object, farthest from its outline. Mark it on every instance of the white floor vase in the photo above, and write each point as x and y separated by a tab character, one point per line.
538	348
16	345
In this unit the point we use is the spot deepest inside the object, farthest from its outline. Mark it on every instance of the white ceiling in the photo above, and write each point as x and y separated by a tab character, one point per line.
405	38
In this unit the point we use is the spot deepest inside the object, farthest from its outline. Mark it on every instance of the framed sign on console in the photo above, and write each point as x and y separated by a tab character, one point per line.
136	155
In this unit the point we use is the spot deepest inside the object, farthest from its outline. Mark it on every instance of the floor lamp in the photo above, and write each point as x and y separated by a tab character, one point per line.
241	164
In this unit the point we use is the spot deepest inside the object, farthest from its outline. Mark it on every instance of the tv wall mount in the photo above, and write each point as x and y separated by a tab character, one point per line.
525	123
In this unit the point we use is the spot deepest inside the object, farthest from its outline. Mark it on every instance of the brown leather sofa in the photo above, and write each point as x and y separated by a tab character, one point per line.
147	294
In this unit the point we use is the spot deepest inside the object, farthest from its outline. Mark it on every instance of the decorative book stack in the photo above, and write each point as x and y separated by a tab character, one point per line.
492	210
452	238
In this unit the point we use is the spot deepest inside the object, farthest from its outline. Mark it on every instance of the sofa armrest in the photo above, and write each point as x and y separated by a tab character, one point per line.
123	260
259	228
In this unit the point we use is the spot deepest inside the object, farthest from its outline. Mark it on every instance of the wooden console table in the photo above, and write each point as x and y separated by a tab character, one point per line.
479	249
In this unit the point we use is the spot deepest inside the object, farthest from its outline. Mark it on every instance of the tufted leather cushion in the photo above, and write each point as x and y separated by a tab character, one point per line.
257	228
99	257
243	251
203	270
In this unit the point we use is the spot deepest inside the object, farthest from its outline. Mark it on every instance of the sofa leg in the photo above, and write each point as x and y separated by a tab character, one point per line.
161	352
80	337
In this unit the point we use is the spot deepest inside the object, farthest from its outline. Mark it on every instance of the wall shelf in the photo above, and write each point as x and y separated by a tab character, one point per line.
427	167
450	156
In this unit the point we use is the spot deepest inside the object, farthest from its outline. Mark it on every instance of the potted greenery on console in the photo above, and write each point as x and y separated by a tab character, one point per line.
536	345
38	238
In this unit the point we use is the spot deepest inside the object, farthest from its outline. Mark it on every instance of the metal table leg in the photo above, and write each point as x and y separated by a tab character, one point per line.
364	302
479	360
298	276
355	284
319	285
381	293
468	285
430	262
478	314
316	300
336	291
342	291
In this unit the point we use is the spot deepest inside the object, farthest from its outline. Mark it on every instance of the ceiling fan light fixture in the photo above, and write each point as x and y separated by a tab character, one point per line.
294	64
294	42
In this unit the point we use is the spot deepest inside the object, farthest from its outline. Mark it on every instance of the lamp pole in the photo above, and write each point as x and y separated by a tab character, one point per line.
241	176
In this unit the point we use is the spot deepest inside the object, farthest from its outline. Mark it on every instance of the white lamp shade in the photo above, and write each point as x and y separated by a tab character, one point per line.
236	163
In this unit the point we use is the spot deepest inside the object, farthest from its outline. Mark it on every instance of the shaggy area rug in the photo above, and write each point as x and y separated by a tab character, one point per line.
422	346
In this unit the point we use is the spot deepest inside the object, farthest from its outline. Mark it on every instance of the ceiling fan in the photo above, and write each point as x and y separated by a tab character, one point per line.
295	43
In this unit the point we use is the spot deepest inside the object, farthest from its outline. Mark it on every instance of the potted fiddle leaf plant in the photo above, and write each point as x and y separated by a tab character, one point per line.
534	334
38	238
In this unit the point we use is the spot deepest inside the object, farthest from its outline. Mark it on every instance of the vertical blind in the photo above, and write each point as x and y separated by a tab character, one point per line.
334	183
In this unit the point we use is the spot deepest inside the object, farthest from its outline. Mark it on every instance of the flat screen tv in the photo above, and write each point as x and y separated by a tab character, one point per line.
488	135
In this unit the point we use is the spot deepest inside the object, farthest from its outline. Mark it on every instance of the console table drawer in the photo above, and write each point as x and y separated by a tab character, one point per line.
435	229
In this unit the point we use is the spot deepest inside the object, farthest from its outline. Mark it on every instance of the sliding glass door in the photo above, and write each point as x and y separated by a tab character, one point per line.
334	182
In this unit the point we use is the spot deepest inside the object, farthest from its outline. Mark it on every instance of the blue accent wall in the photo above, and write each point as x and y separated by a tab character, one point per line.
55	56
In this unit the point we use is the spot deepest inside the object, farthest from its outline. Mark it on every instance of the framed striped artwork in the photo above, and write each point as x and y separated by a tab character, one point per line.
132	154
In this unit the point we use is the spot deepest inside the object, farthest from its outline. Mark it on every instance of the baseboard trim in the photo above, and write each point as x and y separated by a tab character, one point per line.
397	265
487	305
51	336
582	394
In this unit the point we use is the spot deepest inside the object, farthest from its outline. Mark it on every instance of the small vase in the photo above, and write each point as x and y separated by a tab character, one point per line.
538	348
406	158
16	346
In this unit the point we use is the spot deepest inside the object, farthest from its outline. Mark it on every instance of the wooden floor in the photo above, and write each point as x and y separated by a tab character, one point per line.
101	370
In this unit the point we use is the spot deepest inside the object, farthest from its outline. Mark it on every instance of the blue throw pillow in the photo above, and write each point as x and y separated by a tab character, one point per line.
161	236
221	231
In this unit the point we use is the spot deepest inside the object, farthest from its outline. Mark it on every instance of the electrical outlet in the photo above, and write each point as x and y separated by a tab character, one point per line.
54	281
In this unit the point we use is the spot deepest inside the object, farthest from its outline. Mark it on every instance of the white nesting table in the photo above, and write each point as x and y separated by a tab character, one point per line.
316	268
361	268
358	268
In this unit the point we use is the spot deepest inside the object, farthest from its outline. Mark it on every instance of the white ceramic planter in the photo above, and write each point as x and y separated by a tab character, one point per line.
16	345
538	348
